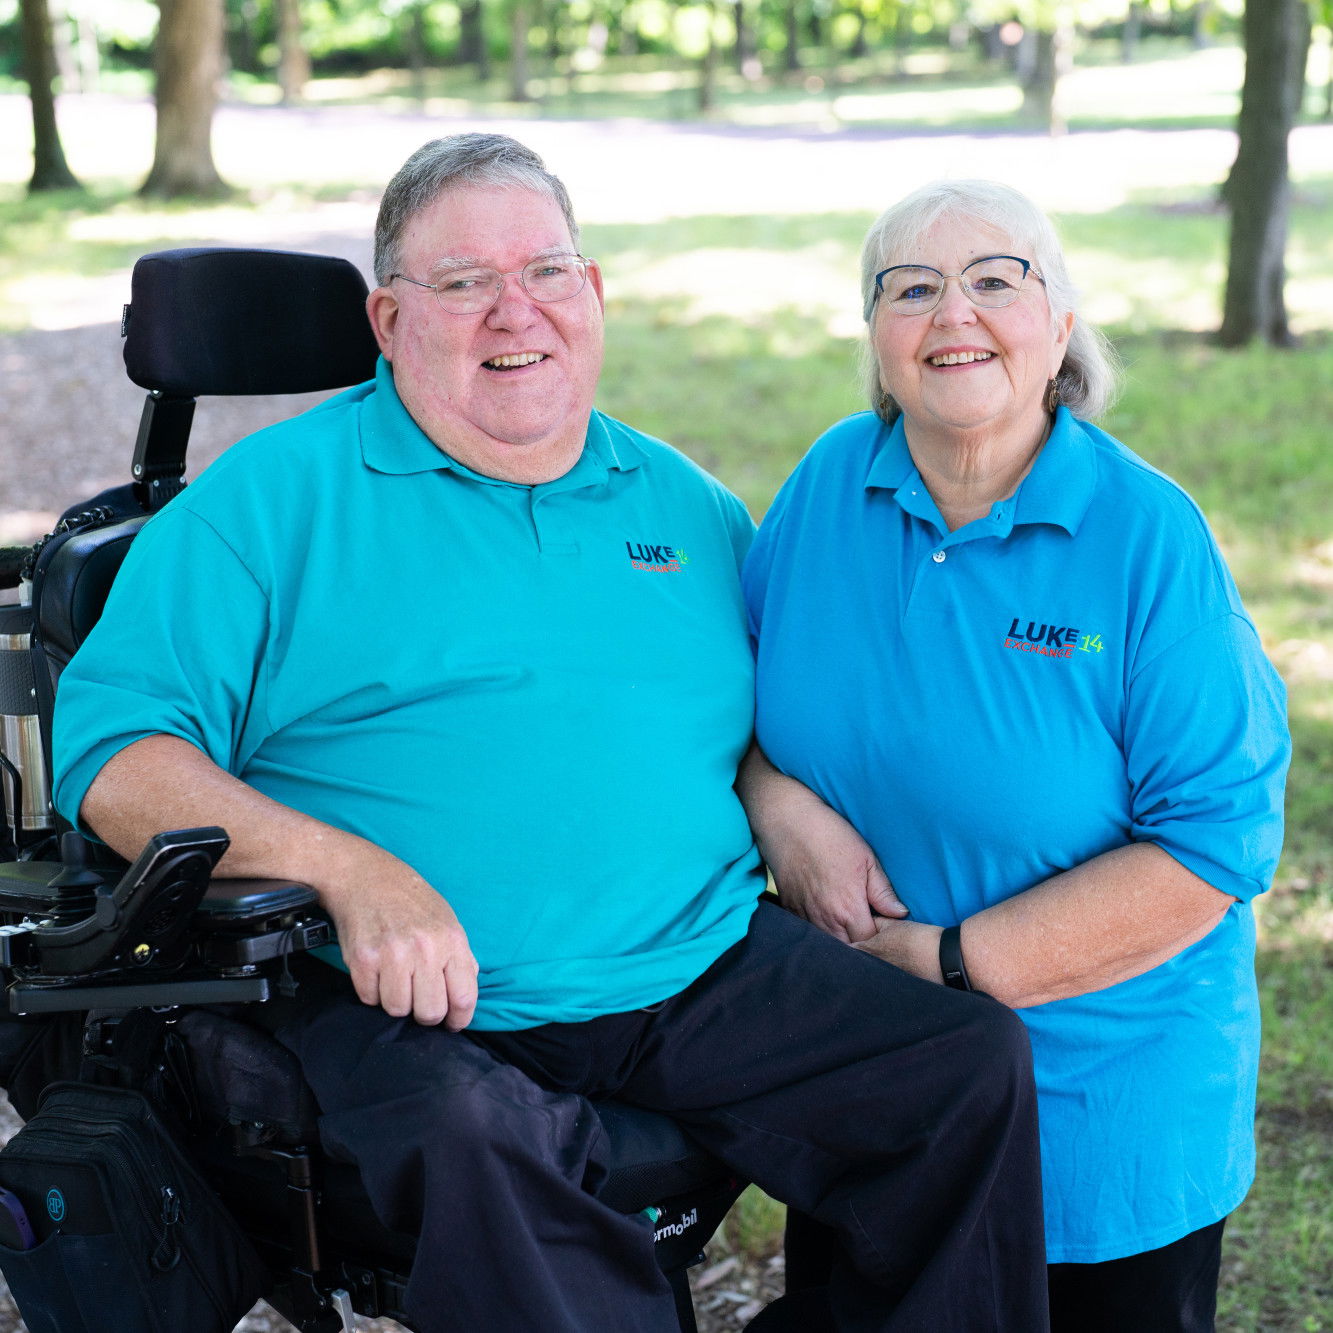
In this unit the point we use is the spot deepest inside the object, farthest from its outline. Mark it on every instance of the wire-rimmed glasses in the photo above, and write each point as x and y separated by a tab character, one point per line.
470	290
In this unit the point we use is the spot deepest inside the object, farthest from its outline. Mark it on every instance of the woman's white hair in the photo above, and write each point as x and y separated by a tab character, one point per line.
1089	376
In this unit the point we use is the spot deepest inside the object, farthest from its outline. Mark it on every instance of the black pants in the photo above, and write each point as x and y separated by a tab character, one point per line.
1168	1290
897	1112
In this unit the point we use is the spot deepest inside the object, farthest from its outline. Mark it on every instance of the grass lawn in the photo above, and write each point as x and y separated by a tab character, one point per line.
735	338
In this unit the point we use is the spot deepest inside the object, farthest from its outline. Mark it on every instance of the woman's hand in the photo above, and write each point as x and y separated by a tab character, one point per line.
823	868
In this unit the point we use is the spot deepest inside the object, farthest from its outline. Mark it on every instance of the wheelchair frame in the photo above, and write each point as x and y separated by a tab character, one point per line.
115	974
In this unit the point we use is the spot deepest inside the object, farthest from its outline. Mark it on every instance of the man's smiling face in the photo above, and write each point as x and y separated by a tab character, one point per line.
507	391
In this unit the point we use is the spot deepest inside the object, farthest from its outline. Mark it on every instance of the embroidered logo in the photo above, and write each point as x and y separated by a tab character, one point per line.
656	559
1047	639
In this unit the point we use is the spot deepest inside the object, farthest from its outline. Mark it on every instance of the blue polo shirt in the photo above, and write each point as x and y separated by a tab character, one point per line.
995	705
537	696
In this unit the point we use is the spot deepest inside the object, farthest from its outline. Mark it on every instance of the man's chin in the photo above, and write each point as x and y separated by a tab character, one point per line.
527	460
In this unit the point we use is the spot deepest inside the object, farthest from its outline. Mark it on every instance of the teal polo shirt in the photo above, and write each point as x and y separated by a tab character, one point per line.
1069	674
536	696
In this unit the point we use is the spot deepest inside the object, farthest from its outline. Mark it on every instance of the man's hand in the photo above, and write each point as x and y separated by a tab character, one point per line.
402	943
825	871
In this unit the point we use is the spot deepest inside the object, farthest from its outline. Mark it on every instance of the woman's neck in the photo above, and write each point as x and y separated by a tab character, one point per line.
967	473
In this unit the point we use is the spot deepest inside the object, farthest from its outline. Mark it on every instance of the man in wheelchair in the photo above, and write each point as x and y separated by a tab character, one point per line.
470	658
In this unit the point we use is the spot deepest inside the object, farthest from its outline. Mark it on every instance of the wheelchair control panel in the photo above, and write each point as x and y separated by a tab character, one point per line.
162	933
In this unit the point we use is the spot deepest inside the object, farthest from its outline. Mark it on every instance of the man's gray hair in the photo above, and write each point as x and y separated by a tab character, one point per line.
492	160
1089	376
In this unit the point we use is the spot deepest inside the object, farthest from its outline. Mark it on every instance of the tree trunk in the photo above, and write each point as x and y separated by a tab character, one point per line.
414	19
1132	32
293	60
791	46
1328	81
623	23
1301	59
902	37
1052	56
708	64
188	62
50	171
746	59
242	23
859	47
472	47
1201	24
1258	189
62	50
87	57
518	52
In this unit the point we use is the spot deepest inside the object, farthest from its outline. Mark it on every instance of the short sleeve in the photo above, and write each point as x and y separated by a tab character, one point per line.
178	651
1207	749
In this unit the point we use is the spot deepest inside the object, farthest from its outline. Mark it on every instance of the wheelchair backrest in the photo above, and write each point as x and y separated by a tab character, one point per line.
200	322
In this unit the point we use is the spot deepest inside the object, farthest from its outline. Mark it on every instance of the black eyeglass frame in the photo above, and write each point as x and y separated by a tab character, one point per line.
944	278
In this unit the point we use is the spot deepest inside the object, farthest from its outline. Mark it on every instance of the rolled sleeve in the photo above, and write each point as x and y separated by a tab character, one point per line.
1207	748
178	651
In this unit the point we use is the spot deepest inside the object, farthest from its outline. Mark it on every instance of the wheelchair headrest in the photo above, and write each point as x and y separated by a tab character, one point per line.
233	321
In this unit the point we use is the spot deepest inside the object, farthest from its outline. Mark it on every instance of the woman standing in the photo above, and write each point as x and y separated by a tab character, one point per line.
1007	652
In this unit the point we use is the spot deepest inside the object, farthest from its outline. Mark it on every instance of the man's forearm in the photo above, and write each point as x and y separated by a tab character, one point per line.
164	782
401	941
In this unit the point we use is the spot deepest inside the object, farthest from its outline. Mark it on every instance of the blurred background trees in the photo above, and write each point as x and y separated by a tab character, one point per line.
283	43
540	54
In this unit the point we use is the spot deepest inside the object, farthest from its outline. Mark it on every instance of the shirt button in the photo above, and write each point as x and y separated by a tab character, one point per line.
939	557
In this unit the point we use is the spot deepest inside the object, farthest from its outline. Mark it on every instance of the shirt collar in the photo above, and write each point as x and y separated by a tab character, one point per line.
393	443
1057	490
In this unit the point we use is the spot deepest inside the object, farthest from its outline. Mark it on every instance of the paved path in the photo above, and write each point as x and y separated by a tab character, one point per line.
68	416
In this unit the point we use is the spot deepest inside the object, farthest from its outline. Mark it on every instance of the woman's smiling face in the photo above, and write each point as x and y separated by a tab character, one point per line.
960	367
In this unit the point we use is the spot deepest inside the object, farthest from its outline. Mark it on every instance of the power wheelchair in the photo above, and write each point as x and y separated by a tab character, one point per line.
142	976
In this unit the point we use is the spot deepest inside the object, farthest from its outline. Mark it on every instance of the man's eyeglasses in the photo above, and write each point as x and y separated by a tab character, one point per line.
990	282
469	291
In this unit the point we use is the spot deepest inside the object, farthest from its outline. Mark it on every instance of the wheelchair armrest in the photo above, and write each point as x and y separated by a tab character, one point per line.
144	919
241	901
165	934
244	922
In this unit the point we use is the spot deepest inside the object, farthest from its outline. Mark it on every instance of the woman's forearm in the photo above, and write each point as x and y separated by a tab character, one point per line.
1109	919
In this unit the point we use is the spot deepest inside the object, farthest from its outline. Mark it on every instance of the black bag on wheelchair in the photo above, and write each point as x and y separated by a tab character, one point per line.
121	1232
